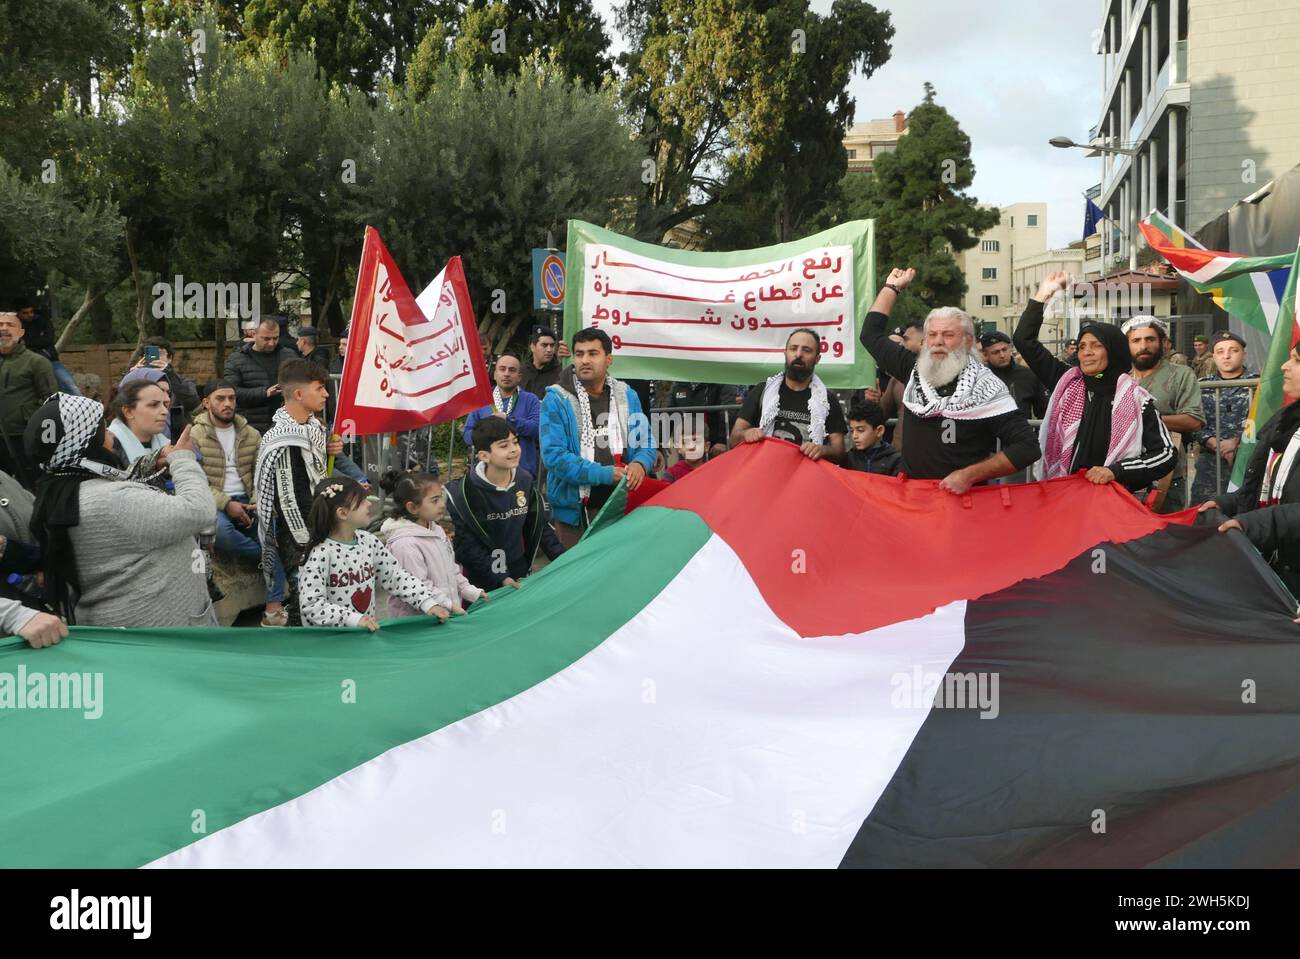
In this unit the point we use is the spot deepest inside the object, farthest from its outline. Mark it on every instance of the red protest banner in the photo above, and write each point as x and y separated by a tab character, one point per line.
408	367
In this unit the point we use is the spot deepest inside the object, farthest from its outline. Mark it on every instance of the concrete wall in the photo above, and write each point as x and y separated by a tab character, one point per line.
1244	69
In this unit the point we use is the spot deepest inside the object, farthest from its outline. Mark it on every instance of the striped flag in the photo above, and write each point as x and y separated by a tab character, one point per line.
1248	287
1270	398
1256	289
773	662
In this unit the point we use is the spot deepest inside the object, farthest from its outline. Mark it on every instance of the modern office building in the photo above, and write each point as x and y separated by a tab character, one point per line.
1202	100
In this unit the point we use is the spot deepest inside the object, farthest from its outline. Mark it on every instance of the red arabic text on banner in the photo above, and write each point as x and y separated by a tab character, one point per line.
408	367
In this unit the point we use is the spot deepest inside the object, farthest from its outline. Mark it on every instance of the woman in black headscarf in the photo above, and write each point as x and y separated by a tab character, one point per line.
1098	418
116	551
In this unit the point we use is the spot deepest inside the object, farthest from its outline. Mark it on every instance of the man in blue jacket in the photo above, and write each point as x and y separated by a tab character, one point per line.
517	407
593	434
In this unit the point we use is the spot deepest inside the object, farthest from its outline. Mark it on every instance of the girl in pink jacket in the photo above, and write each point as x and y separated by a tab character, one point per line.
413	536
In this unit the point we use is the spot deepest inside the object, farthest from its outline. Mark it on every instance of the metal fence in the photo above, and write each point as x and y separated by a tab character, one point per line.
378	453
1214	387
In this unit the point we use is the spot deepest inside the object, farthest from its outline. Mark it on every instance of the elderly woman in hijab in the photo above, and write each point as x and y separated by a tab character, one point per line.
117	552
1098	419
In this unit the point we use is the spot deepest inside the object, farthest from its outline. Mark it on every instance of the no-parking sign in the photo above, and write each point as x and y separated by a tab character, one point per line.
548	279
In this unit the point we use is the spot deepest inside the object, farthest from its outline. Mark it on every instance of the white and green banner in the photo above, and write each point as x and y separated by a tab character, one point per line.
724	317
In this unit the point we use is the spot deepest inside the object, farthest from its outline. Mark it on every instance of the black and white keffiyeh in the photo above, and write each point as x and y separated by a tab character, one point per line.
72	423
62	437
819	407
501	406
587	431
273	479
979	395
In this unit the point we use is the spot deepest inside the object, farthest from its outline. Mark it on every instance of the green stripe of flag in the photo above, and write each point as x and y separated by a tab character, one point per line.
224	723
1269	397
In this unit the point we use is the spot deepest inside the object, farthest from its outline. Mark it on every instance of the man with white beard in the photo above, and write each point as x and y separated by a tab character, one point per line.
955	409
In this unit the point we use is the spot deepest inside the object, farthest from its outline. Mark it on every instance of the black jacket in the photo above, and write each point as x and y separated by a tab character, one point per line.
1274	530
251	373
882	459
1158	456
487	519
39	337
320	356
929	452
536	381
1025	387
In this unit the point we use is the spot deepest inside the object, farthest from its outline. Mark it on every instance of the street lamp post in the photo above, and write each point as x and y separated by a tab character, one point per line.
1097	147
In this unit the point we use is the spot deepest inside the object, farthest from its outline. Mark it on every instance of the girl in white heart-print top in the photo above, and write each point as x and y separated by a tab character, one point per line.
336	584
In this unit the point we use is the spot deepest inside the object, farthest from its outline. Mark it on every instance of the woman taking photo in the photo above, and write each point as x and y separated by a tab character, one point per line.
1098	418
117	552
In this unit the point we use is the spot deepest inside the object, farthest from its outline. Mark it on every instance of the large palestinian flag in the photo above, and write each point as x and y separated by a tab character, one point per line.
773	663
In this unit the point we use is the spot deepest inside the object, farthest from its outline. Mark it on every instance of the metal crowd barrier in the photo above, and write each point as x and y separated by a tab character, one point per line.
1214	386
378	450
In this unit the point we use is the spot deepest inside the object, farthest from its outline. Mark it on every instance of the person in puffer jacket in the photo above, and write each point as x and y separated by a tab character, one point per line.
413	536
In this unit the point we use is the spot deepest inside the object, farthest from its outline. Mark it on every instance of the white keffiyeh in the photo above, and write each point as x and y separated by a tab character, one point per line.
273	478
587	431
978	396
819	407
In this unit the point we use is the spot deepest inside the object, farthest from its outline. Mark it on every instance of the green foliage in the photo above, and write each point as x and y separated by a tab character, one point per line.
468	169
43	228
776	188
742	105
499	34
50	51
250	141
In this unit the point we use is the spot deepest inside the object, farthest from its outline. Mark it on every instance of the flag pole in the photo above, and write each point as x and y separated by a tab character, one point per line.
356	295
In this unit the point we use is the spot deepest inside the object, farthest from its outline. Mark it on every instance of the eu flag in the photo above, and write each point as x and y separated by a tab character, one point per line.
1091	216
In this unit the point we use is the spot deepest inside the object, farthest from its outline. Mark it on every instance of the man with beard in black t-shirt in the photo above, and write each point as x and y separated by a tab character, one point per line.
794	405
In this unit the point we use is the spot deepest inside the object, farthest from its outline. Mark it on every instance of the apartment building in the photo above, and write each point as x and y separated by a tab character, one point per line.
869	139
1200	109
990	263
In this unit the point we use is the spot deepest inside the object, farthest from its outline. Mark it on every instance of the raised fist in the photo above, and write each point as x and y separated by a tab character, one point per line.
901	278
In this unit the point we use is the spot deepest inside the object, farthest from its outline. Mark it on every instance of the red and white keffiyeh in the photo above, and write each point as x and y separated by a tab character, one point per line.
1060	427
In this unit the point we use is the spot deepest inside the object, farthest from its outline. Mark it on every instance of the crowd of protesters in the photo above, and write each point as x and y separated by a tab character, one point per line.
116	513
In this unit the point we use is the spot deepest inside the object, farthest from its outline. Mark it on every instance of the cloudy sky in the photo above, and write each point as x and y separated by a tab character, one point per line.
1014	73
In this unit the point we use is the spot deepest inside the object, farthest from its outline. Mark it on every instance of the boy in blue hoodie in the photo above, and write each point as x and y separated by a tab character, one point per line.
593	434
500	519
